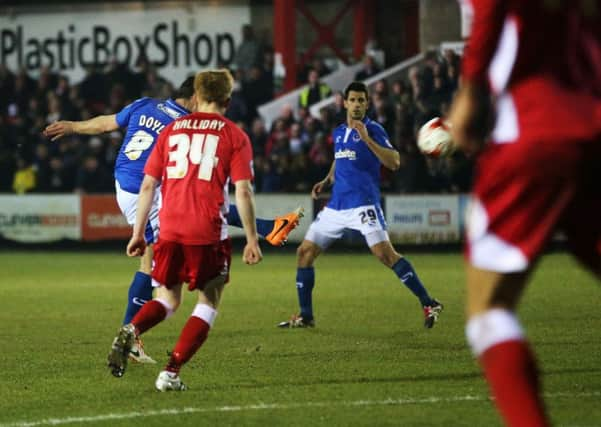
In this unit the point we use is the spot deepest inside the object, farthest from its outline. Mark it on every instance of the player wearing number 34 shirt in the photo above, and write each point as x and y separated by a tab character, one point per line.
194	159
197	202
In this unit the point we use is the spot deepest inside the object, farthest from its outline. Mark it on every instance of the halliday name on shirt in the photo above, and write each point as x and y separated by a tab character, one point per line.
199	124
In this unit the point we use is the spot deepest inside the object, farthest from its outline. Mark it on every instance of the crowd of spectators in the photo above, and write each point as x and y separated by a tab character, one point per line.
290	156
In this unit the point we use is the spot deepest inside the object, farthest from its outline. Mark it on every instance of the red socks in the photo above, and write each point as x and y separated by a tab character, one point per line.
193	335
151	313
512	374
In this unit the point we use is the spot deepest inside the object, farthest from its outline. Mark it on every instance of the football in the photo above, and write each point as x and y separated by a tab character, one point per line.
434	138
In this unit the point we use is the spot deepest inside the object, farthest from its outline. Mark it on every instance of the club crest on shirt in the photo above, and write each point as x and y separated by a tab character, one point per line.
356	137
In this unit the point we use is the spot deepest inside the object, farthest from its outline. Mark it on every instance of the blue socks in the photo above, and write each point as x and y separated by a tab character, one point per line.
264	226
305	280
408	276
140	291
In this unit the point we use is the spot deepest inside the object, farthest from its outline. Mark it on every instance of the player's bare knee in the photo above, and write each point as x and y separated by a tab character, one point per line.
306	254
211	294
172	297
489	289
173	303
388	259
385	253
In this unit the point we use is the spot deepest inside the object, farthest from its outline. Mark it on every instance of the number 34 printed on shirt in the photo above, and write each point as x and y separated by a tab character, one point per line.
200	151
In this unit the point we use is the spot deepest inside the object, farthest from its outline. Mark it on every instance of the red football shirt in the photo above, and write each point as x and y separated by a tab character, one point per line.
194	158
543	59
512	40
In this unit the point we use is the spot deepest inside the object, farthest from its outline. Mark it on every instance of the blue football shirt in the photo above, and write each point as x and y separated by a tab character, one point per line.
144	118
357	171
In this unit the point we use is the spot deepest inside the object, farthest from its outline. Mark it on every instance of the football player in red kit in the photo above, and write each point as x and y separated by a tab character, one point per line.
538	64
193	161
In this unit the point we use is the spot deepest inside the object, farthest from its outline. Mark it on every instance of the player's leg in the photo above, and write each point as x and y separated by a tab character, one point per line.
498	341
327	228
276	230
168	258
196	330
523	191
380	246
140	289
151	314
193	335
369	220
140	292
306	254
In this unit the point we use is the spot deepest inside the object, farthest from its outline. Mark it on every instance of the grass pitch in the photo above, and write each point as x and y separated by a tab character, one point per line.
369	361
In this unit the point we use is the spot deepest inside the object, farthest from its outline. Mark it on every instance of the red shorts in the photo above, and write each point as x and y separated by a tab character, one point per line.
525	191
175	263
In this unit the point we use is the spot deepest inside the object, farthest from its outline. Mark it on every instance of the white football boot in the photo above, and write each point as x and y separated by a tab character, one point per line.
169	381
137	353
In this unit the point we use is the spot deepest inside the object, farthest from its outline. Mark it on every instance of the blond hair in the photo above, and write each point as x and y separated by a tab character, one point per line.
214	86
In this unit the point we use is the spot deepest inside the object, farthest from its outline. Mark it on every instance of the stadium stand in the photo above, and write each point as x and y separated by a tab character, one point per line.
286	145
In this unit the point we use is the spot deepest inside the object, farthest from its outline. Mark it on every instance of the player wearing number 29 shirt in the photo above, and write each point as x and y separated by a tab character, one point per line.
361	147
194	160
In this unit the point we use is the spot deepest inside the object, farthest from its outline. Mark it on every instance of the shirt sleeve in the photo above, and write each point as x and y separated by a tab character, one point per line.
242	167
124	115
378	134
156	163
487	24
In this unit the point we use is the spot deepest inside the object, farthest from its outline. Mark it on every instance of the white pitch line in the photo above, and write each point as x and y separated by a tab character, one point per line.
270	406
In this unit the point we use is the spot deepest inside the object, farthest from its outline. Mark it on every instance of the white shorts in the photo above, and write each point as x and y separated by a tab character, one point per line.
128	203
330	225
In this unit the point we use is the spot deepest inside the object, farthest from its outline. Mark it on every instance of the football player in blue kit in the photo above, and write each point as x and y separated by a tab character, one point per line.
144	120
361	146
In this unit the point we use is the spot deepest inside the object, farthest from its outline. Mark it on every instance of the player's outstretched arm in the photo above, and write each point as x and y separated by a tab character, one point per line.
246	207
137	243
324	183
389	157
94	126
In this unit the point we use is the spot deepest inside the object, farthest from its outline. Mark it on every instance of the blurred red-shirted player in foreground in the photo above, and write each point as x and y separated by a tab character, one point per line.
193	161
540	64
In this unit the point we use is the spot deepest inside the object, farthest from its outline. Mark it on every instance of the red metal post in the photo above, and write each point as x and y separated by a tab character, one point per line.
360	28
284	38
411	27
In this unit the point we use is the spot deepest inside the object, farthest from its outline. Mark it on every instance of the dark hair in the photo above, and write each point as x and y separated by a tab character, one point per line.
356	87
186	90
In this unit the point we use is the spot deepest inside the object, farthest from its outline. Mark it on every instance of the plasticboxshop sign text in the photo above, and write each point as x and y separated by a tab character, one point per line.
176	41
168	44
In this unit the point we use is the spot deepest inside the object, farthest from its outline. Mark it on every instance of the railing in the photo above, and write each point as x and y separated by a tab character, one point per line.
390	75
336	81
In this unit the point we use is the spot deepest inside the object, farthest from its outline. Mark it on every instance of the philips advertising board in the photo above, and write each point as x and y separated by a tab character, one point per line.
423	219
178	39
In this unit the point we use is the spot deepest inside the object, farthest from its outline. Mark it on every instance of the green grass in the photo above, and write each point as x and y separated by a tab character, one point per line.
369	361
